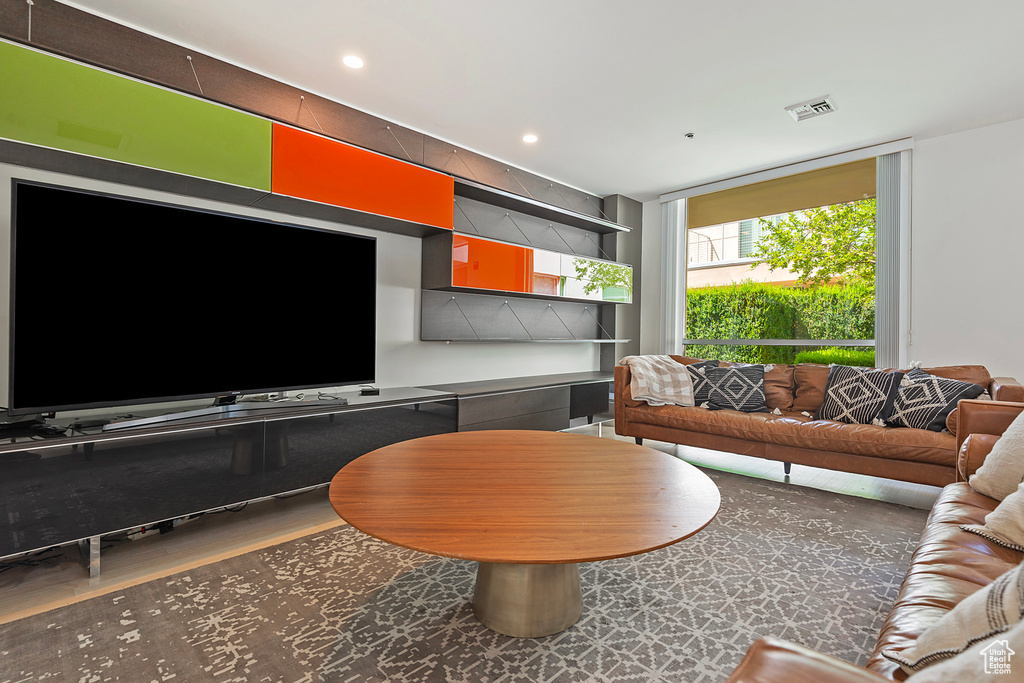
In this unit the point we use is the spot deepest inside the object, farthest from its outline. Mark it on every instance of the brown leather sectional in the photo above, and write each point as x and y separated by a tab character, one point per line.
794	436
948	565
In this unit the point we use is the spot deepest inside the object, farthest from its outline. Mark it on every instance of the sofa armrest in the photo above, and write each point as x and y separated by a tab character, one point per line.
776	661
622	379
984	417
1006	389
973	453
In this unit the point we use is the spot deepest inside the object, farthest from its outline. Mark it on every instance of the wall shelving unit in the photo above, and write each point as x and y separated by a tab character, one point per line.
509	308
529	206
95	99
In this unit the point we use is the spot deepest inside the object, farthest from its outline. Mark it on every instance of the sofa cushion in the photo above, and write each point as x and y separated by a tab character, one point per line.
685	360
951	420
1005	524
732	423
740	387
991	610
810	380
799	431
859	395
924	401
1003	469
869	440
948	565
779	387
975	374
628	400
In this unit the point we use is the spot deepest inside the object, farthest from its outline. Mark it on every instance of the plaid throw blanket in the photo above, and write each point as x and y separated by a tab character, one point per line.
659	380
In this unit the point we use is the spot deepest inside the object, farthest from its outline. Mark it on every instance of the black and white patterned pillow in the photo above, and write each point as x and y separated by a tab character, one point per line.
859	395
736	388
925	401
701	388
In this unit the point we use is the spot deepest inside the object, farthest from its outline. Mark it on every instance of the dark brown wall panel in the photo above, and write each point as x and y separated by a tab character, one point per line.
70	32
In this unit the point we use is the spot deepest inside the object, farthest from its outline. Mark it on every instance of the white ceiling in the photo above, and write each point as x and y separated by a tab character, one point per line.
612	86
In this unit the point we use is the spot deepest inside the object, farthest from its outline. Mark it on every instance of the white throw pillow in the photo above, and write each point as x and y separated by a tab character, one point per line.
1005	525
1003	469
994	609
999	658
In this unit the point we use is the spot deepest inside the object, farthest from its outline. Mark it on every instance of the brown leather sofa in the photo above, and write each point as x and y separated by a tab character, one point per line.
948	565
793	436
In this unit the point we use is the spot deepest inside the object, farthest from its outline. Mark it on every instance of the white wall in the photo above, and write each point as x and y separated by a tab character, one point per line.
967	270
402	360
967	252
650	304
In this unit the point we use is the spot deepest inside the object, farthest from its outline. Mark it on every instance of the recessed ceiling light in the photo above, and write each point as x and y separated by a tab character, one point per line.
353	61
530	137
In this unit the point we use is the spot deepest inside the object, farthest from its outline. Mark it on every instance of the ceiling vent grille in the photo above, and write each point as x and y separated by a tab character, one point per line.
811	108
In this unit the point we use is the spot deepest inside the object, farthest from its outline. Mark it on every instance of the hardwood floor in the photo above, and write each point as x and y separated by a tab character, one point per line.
63	579
30	590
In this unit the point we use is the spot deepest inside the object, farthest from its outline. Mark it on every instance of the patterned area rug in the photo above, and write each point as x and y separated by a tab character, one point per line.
813	567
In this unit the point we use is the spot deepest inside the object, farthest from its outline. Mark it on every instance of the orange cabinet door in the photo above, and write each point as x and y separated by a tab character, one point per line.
308	166
482	264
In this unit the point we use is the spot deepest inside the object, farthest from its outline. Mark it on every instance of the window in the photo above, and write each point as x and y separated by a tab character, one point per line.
768	315
750	233
805	275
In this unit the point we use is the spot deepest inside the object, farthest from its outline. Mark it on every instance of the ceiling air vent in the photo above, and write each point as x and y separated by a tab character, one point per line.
811	108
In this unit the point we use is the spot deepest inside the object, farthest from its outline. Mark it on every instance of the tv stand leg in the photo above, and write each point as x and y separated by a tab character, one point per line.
90	549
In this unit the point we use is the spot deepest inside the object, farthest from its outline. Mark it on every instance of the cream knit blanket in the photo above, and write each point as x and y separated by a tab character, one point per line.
659	380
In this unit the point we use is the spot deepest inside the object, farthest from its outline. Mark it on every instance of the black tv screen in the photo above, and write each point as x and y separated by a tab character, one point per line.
119	301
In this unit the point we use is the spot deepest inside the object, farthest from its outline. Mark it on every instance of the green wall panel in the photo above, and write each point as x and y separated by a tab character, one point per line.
48	101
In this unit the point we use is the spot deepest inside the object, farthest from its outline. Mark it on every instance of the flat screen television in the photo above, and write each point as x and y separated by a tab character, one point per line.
119	301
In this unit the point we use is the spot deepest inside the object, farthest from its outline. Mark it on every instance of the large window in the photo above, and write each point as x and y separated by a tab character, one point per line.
805	275
785	266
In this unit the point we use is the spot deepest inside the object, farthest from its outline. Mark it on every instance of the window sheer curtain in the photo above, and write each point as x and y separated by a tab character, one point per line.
892	260
673	269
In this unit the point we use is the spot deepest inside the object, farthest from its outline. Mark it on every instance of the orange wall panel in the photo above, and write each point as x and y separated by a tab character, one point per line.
483	264
312	167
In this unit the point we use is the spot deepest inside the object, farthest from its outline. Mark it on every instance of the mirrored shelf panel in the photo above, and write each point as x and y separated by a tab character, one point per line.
456	262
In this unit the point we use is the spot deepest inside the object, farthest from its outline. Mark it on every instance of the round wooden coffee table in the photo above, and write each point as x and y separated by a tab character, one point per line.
529	506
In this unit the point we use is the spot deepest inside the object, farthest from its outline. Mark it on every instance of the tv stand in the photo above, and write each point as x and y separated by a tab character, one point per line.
219	407
82	483
20	423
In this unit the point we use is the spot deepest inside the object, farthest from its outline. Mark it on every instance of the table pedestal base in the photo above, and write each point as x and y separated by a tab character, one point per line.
527	600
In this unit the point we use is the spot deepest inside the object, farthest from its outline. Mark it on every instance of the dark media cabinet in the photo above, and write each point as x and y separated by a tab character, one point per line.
56	490
546	402
87	483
